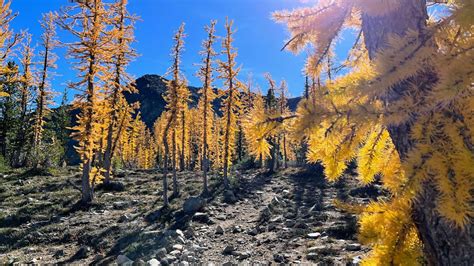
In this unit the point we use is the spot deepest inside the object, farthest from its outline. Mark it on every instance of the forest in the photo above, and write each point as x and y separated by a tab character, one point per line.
373	164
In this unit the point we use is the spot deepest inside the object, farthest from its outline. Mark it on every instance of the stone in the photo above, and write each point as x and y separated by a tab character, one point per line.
219	230
265	215
124	218
313	235
236	229
279	258
356	260
123	260
193	205
301	225
201	217
178	247
353	247
277	219
161	253
120	205
139	262
228	250
321	249
253	232
170	258
229	197
59	253
312	256
175	253
83	252
180	233
164	262
153	262
242	255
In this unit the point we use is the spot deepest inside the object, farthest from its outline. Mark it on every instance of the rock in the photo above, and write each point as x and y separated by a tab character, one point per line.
279	258
313	235
83	252
229	197
183	263
123	260
265	215
277	219
353	247
321	249
202	218
253	232
139	262
301	225
161	253
59	253
175	253
153	262
193	204
242	255
180	233
236	229
120	205
164	262
356	260
312	256
124	218
219	230
178	247
170	258
228	250
181	240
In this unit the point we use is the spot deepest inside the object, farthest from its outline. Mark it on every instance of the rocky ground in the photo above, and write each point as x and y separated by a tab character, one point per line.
288	217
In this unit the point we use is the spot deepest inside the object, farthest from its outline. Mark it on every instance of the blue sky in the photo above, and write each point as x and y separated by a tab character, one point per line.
258	38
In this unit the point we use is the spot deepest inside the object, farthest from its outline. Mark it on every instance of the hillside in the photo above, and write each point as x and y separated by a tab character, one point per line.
150	96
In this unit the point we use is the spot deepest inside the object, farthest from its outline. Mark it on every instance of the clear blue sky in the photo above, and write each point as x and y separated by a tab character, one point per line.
258	38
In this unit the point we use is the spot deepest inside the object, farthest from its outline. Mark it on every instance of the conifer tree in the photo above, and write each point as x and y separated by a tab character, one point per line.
88	21
206	99
173	105
229	71
27	82
405	112
44	94
122	35
9	108
8	39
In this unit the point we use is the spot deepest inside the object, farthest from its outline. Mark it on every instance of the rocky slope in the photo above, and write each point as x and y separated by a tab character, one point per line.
281	218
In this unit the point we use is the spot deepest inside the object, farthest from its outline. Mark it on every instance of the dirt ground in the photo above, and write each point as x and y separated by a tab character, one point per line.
287	217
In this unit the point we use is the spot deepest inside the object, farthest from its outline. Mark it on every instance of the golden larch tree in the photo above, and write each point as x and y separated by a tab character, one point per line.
207	96
122	35
48	61
228	71
405	112
88	21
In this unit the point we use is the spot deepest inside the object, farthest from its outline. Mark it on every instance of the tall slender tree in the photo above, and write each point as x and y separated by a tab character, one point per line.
173	104
44	94
229	71
88	21
27	83
206	99
122	35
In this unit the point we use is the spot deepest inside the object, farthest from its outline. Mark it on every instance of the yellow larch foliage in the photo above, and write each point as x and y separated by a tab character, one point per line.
7	38
228	71
355	117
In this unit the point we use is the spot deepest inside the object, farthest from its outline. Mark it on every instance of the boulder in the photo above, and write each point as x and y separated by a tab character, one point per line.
313	235
123	260
219	230
193	205
229	197
228	250
153	262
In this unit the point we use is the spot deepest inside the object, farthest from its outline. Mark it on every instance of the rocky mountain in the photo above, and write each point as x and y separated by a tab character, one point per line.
151	89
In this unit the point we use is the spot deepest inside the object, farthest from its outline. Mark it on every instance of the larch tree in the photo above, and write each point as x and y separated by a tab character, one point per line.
122	36
8	39
228	71
173	107
43	92
283	110
88	21
27	83
207	96
406	114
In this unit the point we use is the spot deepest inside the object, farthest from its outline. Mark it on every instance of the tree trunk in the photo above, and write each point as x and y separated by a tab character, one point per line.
443	243
173	161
